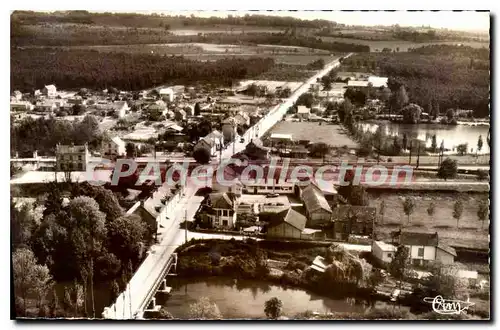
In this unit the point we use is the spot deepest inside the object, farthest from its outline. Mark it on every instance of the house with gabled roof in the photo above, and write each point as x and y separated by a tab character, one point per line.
49	91
113	146
212	142
288	224
222	208
318	210
425	247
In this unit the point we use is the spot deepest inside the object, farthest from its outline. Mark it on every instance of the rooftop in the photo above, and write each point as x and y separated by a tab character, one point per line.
385	247
418	238
314	199
290	216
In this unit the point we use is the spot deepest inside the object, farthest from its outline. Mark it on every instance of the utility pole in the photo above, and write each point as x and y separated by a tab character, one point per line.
418	154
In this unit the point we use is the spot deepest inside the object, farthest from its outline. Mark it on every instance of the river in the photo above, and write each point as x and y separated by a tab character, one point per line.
246	298
452	135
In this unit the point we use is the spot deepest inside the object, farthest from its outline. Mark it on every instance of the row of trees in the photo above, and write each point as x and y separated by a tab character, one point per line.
32	68
409	206
42	134
88	239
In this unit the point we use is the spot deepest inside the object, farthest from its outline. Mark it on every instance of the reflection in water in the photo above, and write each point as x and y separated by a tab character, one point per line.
246	298
451	135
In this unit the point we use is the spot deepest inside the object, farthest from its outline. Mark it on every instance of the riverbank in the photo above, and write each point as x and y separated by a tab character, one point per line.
287	265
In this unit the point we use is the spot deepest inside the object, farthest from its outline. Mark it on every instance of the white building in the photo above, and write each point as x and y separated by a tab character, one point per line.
21	106
121	108
113	147
49	91
303	112
378	82
223	207
72	158
383	251
168	93
264	186
425	247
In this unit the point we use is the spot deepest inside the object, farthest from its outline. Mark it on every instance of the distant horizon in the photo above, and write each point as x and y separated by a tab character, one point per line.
464	21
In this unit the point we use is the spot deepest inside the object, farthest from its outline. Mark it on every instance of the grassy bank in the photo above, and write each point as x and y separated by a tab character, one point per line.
471	232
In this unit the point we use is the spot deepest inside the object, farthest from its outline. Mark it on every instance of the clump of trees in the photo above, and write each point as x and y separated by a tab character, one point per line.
88	240
425	70
43	134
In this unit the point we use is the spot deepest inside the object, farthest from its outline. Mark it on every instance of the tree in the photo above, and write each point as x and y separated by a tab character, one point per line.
450	114
405	141
327	83
204	309
202	155
273	308
108	203
447	169
88	233
30	278
382	210
408	206
479	144
399	264
462	149
130	149
22	224
378	139
431	209
253	90
429	109
126	236
411	113
319	149
306	99
197	109
483	211
400	98
434	143
458	209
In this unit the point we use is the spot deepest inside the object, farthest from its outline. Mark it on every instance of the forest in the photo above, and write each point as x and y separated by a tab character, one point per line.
154	20
453	77
32	68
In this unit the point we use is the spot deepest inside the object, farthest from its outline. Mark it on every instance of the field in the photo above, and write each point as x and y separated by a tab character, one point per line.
378	45
333	135
210	52
469	234
230	29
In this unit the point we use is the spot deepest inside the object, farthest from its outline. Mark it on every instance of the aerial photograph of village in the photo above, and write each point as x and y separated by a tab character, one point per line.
249	166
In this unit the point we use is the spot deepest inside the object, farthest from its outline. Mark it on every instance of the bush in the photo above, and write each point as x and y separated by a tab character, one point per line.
482	175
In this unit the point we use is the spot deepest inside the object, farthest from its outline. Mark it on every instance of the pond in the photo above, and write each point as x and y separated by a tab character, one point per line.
452	135
246	298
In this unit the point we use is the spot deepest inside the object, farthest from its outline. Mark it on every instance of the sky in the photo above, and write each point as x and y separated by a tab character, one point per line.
464	21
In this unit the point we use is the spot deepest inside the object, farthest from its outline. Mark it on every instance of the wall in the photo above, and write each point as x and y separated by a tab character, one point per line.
284	230
444	257
319	217
429	252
